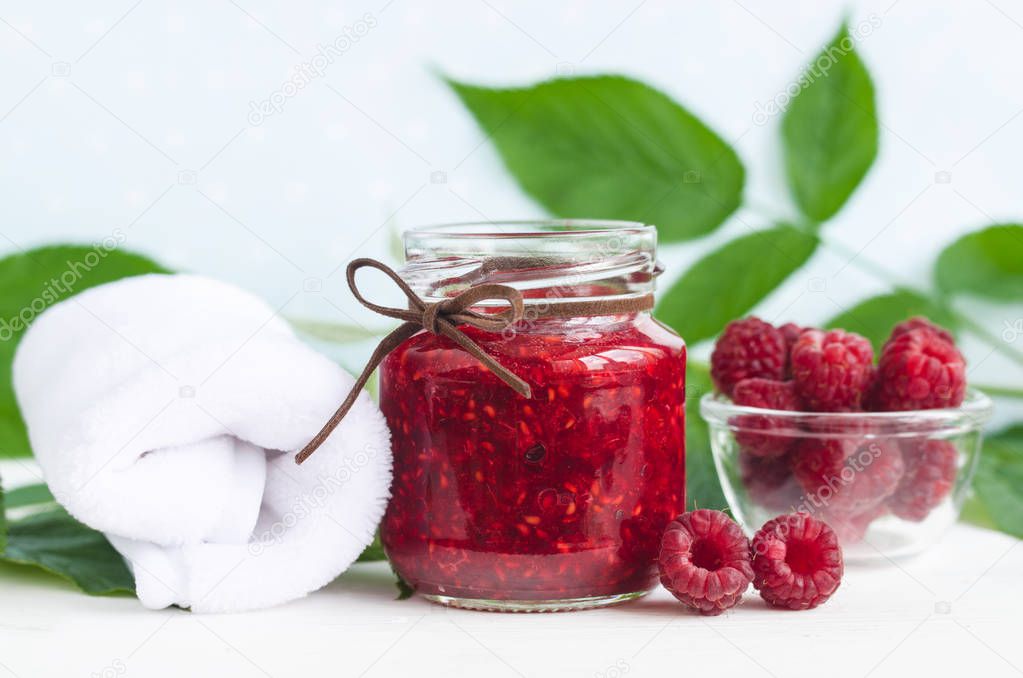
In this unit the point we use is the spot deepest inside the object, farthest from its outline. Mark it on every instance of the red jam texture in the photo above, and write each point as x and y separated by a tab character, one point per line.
562	495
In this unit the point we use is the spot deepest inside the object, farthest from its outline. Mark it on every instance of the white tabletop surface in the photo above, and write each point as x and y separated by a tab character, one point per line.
956	610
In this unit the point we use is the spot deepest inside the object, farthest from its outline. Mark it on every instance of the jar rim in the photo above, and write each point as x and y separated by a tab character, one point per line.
545	259
530	228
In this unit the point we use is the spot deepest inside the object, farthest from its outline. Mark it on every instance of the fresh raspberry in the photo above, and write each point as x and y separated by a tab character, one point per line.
930	474
851	529
832	370
766	393
797	562
791	332
705	561
769	482
847	474
919	370
921	323
747	348
757	433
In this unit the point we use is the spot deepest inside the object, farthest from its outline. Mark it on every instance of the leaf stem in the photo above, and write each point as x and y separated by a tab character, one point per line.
1001	391
974	327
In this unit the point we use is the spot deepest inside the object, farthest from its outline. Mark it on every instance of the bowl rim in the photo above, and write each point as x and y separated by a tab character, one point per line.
976	409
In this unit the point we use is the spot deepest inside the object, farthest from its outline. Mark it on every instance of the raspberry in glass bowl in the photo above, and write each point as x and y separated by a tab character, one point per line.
556	501
883	453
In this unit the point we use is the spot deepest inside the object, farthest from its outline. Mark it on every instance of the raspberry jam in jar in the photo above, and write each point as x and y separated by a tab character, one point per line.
551	502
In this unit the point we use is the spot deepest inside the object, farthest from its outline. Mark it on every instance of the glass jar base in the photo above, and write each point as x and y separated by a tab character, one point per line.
562	605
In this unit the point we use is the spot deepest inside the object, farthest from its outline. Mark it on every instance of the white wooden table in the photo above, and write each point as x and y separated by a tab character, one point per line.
957	610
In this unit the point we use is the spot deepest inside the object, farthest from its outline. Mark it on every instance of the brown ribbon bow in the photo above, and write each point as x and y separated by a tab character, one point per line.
442	317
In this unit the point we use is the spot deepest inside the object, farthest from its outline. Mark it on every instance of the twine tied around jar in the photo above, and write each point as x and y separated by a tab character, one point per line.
444	317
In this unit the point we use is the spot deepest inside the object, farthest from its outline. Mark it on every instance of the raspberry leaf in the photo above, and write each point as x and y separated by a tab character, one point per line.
335	333
373	552
30	282
54	541
703	490
998	486
830	130
729	281
29	495
3	520
49	538
988	262
613	147
875	317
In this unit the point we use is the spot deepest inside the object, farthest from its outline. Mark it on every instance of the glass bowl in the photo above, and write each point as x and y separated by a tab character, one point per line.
889	483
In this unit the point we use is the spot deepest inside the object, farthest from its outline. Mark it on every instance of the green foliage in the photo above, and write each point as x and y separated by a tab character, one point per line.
998	485
987	263
373	552
875	317
611	147
724	285
338	333
702	487
47	537
405	590
32	281
29	495
3	520
830	130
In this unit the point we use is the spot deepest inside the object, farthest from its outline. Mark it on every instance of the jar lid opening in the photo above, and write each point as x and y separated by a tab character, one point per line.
548	260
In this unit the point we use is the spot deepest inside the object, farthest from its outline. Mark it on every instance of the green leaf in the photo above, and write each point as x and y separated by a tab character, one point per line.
730	281
3	520
29	495
875	317
703	489
373	552
405	590
988	263
612	148
54	541
30	282
335	333
998	485
395	240
830	129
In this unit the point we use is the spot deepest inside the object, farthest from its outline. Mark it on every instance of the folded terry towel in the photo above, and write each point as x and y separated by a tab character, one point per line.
165	411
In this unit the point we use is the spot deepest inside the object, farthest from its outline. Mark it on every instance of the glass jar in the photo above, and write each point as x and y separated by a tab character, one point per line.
556	501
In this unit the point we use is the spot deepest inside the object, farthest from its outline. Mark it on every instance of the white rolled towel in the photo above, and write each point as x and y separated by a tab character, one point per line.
165	411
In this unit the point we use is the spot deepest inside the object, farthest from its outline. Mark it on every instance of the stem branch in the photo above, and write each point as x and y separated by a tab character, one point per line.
964	320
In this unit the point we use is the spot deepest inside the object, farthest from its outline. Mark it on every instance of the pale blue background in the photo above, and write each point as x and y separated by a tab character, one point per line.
110	109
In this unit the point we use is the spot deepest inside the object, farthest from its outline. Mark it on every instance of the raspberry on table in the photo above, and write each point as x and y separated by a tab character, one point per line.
797	561
919	370
705	561
832	370
847	474
931	467
748	348
756	433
